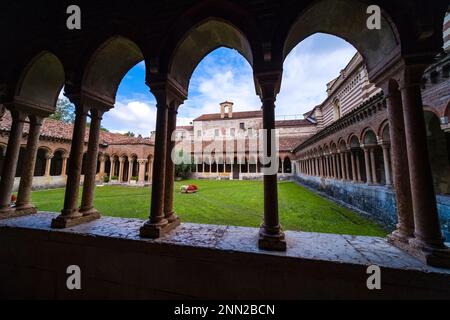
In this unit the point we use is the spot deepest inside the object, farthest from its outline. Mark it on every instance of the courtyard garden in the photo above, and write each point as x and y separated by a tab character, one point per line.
235	203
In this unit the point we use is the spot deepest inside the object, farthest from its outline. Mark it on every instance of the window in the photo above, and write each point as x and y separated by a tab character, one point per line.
199	134
242	126
216	133
250	132
233	132
337	110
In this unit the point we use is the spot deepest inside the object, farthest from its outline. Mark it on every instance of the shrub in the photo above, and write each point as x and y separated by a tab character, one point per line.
135	179
105	179
115	178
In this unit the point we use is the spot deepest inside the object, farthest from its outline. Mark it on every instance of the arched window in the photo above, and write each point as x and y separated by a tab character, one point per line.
337	110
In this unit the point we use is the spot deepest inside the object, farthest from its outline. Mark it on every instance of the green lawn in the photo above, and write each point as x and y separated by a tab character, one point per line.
237	203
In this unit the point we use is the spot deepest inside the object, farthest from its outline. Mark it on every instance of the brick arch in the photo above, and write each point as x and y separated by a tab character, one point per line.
366	131
381	131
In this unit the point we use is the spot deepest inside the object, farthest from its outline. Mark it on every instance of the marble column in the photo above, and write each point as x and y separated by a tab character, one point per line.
368	168
10	163
343	170
87	200
70	214
23	204
353	163
48	163
169	212
102	160
272	236
374	166
122	161
113	169
131	163
347	172
150	170
157	225
142	166
400	167
387	163
65	157
428	235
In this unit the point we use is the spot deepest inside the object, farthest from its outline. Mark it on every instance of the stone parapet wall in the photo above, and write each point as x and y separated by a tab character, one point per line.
205	262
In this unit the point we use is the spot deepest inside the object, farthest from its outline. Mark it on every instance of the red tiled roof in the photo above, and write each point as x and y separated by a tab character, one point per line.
236	115
54	129
293	123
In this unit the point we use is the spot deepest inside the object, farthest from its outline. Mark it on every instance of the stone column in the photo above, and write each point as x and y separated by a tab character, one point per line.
70	215
368	168
169	212
65	157
428	234
400	167
352	159
387	163
113	169
142	165
374	166
150	170
131	163
343	170
87	201
48	163
121	168
10	163
23	204
271	234
166	92
102	160
358	167
347	172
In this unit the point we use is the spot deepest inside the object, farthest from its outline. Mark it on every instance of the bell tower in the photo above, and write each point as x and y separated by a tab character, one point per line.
226	109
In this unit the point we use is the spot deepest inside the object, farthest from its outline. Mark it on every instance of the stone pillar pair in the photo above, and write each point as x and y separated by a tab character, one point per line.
418	231
71	214
169	96
23	203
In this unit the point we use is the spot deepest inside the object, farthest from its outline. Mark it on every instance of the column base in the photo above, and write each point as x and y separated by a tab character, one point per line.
14	213
158	230
272	242
89	211
26	210
63	222
438	256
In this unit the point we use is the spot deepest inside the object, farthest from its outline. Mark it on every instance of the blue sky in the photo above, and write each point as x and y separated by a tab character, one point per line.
226	75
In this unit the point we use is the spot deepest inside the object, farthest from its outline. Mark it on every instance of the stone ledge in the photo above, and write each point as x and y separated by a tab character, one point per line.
187	261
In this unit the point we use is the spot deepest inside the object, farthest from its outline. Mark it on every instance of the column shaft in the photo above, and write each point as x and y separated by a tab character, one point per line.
23	203
169	212
368	169
10	163
427	226
70	210
87	202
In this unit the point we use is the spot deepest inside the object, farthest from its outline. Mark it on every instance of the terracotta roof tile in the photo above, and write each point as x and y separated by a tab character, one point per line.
54	129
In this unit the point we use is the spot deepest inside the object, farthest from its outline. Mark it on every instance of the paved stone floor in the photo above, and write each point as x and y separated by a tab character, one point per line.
302	245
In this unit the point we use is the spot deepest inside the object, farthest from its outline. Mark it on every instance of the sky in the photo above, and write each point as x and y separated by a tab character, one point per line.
226	75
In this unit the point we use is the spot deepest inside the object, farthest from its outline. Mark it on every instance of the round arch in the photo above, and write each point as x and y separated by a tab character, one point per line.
109	65
348	16
201	40
41	82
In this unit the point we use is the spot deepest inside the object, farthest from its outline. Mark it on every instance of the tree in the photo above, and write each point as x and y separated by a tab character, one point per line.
130	134
65	111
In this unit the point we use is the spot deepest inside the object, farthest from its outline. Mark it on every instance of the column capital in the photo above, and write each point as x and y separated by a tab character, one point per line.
102	158
49	156
122	159
142	161
268	84
167	91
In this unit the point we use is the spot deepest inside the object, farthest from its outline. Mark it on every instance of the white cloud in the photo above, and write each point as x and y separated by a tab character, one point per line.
305	77
136	116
